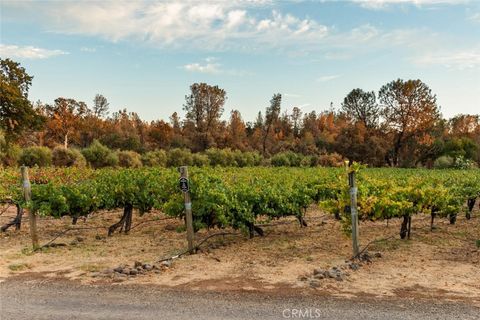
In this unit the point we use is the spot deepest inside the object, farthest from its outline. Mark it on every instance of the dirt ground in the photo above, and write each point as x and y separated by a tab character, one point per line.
440	264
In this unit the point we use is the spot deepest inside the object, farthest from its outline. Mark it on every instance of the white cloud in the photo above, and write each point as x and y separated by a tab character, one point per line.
302	106
475	17
382	4
328	78
291	95
28	52
461	60
209	66
215	25
88	49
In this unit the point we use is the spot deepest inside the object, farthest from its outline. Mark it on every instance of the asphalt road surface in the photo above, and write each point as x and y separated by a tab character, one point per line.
37	299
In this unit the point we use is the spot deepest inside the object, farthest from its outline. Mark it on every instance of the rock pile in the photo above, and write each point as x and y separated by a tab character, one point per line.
338	273
123	272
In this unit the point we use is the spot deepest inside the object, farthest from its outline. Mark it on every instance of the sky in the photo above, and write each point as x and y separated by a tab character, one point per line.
144	55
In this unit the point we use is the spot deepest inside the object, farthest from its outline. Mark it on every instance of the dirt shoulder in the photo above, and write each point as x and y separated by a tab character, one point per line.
441	264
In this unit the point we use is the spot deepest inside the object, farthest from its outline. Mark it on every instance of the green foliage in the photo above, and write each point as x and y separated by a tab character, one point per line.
221	157
286	159
179	157
464	163
16	112
234	197
129	159
461	147
443	162
200	160
99	156
62	157
9	153
247	159
156	158
36	156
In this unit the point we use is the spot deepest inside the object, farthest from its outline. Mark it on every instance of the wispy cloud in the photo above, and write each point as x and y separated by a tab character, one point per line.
88	49
28	52
328	78
383	4
304	105
461	60
475	17
211	65
216	25
208	66
291	95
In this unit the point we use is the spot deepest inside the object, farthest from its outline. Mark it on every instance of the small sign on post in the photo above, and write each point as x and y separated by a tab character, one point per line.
354	212
184	186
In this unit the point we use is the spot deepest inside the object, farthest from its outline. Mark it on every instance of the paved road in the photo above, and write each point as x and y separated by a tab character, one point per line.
61	300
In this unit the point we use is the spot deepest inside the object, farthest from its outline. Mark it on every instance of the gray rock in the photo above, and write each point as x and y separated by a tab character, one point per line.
119	275
118	269
353	266
330	274
147	267
314	283
108	272
318	271
319	276
133	272
137	264
126	271
167	263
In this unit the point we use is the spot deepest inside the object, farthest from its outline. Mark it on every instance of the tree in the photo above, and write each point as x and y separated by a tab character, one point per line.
271	116
236	134
296	119
64	117
16	111
362	106
410	112
100	106
465	125
204	107
160	134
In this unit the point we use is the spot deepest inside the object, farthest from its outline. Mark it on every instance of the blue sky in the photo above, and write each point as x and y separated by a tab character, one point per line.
144	55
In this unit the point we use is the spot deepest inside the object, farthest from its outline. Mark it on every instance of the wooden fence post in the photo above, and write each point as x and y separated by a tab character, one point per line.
354	212
32	217
185	187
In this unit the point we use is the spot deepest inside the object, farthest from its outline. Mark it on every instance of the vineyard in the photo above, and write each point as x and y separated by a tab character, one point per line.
239	198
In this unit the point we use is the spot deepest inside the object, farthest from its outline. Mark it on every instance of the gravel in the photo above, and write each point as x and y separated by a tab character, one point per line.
53	300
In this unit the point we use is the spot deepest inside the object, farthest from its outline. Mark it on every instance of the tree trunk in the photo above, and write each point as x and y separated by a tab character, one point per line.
125	222
404	227
470	204
453	218
17	221
433	214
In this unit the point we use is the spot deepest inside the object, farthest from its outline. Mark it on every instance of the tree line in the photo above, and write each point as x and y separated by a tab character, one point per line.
400	125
